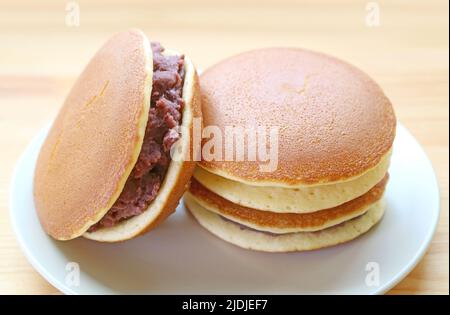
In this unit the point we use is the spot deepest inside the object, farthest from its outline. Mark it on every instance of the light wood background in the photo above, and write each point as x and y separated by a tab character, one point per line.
407	54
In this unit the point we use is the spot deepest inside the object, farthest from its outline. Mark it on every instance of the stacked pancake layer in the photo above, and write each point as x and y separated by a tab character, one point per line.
281	219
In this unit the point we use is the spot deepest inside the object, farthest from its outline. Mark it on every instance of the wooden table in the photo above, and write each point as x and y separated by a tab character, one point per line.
407	53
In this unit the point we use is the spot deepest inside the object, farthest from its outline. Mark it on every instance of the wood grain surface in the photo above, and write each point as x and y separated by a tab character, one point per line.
407	54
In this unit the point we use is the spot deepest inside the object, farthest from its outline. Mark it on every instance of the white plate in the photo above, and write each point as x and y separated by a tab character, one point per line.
181	257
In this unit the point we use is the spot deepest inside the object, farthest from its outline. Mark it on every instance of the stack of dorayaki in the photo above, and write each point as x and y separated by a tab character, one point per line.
336	129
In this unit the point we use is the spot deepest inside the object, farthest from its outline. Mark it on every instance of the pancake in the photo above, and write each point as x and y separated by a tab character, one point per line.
64	179
334	121
303	199
302	241
280	223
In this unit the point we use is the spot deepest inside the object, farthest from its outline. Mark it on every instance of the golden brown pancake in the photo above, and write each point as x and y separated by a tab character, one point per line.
334	121
73	192
301	199
286	222
96	139
302	241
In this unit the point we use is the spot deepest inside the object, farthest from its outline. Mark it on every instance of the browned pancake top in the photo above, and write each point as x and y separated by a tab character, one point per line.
287	220
96	137
334	121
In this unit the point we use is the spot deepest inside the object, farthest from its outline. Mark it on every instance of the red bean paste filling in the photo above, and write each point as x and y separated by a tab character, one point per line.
161	133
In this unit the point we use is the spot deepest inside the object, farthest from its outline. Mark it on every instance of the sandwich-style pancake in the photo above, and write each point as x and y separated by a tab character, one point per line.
116	160
302	199
280	223
334	121
96	138
302	241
